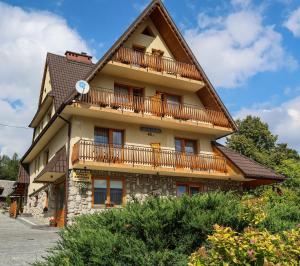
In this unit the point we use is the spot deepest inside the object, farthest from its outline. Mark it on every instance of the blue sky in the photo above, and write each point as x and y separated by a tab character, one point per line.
249	50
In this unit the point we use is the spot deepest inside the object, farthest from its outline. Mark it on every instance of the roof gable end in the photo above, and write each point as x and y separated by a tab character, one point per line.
181	51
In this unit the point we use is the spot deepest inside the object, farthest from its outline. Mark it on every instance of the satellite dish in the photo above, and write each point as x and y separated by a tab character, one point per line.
82	87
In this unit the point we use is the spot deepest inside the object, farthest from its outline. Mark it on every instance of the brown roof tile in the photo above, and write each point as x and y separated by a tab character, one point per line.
23	176
64	74
249	167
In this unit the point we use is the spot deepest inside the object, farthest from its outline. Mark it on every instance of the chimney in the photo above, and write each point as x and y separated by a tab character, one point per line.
79	57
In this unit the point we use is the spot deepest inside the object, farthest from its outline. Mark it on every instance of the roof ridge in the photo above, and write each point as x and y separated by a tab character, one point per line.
70	61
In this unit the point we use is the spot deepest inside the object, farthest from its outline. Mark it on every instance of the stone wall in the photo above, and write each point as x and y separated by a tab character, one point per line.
137	186
79	200
36	204
142	186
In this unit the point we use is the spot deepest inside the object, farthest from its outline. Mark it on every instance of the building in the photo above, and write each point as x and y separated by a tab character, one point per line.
147	126
6	188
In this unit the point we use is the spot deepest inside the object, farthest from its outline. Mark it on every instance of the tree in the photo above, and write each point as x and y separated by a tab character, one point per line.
9	167
255	140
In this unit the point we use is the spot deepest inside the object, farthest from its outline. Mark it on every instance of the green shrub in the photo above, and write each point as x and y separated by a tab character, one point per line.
156	232
252	247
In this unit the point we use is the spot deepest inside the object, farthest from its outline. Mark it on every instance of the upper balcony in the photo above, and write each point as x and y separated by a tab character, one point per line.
140	159
154	69
107	104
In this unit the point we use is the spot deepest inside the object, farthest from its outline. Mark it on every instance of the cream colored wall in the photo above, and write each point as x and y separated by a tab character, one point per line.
47	85
149	42
107	82
83	127
57	142
44	121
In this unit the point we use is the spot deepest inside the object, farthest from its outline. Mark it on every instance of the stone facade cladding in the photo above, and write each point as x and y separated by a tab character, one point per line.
42	204
137	186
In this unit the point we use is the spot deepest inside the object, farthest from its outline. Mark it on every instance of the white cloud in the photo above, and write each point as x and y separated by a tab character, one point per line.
241	3
26	36
284	120
293	22
235	47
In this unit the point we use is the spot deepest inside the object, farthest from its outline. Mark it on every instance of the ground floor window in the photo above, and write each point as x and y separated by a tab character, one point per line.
189	188
108	191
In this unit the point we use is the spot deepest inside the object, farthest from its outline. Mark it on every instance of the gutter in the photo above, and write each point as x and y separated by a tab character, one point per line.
56	115
67	169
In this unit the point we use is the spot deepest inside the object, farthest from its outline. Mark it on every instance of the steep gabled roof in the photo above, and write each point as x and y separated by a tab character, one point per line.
157	10
23	176
64	74
249	167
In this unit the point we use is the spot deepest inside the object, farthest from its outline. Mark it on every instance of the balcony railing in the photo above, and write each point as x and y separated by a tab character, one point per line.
156	63
154	106
85	150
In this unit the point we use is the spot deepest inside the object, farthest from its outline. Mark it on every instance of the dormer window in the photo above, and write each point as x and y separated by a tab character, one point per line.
147	31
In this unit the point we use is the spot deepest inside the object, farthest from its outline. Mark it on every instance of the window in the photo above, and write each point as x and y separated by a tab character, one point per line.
46	156
189	189
185	145
127	90
139	48
109	136
172	99
37	164
156	52
147	31
48	116
127	96
108	191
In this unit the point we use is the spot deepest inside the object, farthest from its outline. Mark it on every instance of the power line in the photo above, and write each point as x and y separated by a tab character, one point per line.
14	126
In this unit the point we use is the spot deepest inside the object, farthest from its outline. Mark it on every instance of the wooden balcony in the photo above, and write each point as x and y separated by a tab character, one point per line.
85	151
155	107
156	63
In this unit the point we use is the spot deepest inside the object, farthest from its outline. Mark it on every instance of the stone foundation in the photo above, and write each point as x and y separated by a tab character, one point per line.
137	186
36	204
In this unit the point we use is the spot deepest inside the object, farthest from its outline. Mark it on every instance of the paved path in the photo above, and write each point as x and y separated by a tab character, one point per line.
20	244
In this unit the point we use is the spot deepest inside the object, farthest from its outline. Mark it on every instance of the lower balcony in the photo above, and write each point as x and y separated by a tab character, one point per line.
139	159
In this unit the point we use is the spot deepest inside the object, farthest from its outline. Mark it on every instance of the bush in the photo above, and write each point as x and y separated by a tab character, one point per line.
252	247
272	211
156	232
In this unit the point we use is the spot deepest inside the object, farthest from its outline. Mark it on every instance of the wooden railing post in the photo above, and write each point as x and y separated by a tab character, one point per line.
155	106
108	153
156	63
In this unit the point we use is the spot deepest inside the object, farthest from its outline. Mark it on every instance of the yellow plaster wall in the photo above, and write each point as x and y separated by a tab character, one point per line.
47	85
107	82
149	42
83	127
57	142
44	121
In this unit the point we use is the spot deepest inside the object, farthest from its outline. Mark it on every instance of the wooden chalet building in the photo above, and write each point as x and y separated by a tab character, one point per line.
148	126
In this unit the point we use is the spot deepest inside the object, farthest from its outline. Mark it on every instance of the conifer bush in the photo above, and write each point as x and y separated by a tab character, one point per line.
156	232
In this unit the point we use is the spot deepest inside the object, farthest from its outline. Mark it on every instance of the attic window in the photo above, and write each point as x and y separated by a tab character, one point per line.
147	31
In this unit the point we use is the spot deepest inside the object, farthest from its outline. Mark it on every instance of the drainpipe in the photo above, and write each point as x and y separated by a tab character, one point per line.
67	170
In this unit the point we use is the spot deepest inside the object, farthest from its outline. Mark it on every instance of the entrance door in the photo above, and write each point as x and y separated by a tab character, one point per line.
60	204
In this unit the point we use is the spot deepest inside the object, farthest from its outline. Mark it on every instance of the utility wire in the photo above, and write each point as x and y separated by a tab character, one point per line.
14	126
